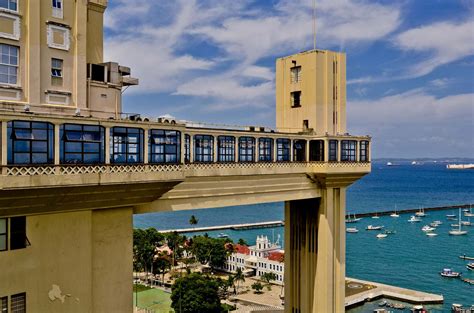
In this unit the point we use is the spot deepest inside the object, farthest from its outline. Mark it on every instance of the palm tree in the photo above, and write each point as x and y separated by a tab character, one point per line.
193	220
239	277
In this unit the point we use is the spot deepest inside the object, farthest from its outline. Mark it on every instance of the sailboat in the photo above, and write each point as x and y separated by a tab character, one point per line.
458	232
469	213
421	212
394	214
375	216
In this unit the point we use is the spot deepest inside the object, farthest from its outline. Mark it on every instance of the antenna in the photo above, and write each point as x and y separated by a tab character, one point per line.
314	24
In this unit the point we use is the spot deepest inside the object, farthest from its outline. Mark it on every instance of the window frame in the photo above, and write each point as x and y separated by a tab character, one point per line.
348	150
316	154
5	234
265	149
225	149
187	148
116	134
168	141
293	98
295	74
283	152
83	130
203	154
333	150
10	65
246	149
18	238
9	3
13	153
364	151
57	12
297	151
57	72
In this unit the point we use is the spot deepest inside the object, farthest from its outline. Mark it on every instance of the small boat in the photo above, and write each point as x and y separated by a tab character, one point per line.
470	266
222	235
414	219
380	236
427	228
389	232
371	227
466	223
438	222
420	213
447	272
458	232
399	306
464	257
431	234
395	214
353	219
450	216
389	164
383	303
418	309
433	224
352	230
375	216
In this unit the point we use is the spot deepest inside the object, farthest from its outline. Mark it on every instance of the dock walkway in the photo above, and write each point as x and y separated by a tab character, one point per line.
222	227
378	290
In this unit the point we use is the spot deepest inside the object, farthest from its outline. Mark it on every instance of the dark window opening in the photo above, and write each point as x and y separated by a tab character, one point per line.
283	150
296	99
364	151
82	144
299	150
127	145
246	149
18	303
316	150
164	146
305	124
265	149
30	142
332	150
18	238
203	148
226	149
4	304
348	150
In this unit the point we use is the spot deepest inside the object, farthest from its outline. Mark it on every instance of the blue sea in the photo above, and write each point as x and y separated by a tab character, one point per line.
407	259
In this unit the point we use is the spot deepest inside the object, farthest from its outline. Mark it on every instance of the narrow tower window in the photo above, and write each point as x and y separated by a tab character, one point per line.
57	8
295	74
9	4
56	72
296	99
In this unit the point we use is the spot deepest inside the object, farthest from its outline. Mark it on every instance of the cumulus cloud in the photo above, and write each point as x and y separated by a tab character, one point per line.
444	42
416	122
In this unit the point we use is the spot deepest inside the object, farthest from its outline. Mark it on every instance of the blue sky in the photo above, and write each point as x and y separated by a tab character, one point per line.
410	64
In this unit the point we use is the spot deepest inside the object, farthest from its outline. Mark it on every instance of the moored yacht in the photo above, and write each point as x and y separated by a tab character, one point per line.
414	219
420	213
430	234
458	232
352	230
427	228
470	266
447	272
371	227
380	236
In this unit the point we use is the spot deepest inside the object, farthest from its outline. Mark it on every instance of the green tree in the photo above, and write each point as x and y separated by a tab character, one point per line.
209	250
145	242
161	265
242	242
239	277
268	277
195	293
257	286
193	220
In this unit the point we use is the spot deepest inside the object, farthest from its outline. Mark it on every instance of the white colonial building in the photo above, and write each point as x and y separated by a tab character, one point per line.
264	257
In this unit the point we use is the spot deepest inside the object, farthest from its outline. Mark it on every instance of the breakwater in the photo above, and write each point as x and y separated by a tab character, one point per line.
222	227
406	211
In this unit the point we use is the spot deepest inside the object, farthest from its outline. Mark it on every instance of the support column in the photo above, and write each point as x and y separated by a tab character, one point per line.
3	141
107	145
182	141
236	150
145	145
191	148
257	147
56	144
326	150
339	151
214	149
315	253
307	150
357	151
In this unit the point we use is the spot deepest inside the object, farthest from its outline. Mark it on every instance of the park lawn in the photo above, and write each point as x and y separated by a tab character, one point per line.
154	299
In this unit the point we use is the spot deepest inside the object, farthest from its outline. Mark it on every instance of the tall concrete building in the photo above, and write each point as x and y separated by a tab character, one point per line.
75	168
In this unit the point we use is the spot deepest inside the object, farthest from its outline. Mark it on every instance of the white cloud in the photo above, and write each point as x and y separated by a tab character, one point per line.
445	42
416	122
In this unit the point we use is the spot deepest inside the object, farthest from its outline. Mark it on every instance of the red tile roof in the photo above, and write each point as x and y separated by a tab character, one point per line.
276	256
242	249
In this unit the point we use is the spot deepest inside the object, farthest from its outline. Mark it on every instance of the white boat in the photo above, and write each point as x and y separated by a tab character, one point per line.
354	219
380	236
352	230
371	227
222	235
429	234
470	266
438	222
433	224
420	213
394	214
427	228
389	164
375	216
447	272
414	219
460	166
458	232
469	213
466	223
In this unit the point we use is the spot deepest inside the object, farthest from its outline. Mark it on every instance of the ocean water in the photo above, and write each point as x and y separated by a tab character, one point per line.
407	259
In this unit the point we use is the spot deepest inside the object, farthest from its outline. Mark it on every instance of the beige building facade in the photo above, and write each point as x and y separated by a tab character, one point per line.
75	168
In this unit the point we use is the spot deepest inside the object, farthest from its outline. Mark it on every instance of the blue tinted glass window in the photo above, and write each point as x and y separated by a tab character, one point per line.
333	150
127	145
265	149
283	150
164	146
246	149
82	144
226	149
203	148
30	142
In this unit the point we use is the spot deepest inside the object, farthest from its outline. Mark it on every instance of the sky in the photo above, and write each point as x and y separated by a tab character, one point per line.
410	64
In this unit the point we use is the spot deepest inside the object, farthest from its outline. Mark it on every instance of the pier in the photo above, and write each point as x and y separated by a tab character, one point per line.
222	227
406	211
359	291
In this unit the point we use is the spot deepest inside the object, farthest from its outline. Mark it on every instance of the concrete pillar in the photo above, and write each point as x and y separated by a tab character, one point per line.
326	150
339	152
256	151
56	145
291	151
182	154
358	151
214	148
146	139
275	149
112	258
4	143
236	149
315	253
107	145
307	150
191	148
